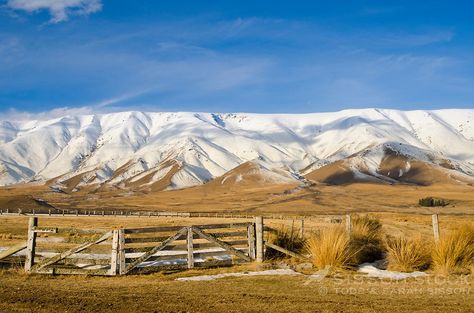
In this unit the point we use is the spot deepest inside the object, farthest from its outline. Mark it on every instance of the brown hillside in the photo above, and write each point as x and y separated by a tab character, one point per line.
337	173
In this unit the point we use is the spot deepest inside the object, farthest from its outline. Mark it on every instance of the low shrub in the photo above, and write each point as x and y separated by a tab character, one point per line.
454	253
432	202
407	254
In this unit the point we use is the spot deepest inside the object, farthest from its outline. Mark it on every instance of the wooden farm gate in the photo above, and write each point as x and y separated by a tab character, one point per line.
52	250
136	250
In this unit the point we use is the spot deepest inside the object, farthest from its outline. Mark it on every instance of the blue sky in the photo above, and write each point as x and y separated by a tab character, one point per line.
79	56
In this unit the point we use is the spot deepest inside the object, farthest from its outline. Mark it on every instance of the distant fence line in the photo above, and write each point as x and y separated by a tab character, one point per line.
127	213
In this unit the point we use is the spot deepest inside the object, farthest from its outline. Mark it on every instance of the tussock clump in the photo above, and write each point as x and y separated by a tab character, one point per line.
289	239
407	254
366	239
334	247
454	253
330	248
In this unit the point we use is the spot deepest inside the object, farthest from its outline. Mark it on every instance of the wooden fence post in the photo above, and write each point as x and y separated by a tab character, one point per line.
434	220
348	223
117	262
259	238
114	264
121	251
31	244
251	240
190	247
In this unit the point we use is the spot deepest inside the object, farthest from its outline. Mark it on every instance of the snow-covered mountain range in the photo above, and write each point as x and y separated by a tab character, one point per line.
174	150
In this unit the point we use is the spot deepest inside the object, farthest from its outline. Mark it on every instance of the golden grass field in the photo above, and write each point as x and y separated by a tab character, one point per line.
344	292
395	206
254	199
160	293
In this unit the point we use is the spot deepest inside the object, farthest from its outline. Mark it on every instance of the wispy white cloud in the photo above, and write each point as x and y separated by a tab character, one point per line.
60	10
17	115
103	106
230	65
418	39
117	100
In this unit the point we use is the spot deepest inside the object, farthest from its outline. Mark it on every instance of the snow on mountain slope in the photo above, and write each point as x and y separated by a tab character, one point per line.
394	162
252	173
176	150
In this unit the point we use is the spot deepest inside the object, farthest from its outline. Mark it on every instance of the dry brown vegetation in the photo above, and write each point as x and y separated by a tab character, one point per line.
333	247
395	207
161	293
408	254
288	238
454	253
366	239
258	198
330	248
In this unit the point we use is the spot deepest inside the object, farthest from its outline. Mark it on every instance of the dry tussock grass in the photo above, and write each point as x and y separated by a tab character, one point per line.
288	238
335	248
454	253
407	254
331	248
366	239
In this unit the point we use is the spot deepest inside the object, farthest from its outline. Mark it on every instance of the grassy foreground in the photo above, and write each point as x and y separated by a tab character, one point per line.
160	292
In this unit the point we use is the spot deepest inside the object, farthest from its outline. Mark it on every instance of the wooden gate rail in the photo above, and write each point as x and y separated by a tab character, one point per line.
148	254
220	243
285	251
12	250
41	265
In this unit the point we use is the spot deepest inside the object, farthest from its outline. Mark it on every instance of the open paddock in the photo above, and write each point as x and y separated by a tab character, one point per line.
161	292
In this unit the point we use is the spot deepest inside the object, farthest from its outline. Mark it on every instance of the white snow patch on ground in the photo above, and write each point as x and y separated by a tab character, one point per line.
240	274
238	179
372	271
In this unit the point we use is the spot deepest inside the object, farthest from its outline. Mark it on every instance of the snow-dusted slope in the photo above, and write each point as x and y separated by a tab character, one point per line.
175	150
